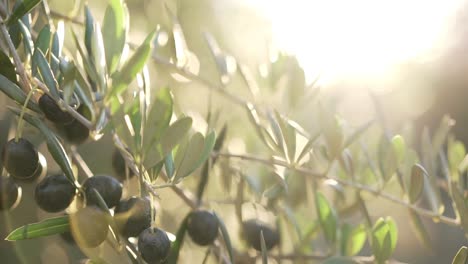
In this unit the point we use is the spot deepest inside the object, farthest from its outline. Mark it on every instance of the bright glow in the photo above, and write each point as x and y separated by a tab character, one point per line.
339	38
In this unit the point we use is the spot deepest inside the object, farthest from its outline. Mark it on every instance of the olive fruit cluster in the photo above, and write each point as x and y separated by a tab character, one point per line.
252	230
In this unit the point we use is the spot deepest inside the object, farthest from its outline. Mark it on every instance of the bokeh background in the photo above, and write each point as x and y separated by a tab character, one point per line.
412	55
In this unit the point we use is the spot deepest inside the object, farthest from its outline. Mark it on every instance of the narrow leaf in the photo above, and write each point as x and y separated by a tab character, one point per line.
46	227
46	73
114	33
327	217
159	117
461	257
132	66
25	7
420	230
16	94
264	249
418	174
177	245
7	68
226	238
43	40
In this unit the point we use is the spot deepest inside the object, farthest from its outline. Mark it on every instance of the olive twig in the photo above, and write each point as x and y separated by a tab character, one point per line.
19	131
352	184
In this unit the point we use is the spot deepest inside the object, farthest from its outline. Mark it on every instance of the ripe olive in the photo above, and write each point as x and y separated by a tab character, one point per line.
202	227
75	131
9	193
21	159
133	216
154	245
108	187
252	229
54	193
119	166
52	111
89	226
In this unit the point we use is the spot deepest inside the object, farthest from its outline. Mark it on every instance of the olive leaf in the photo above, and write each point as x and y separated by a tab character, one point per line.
27	39
22	9
46	73
461	257
327	217
16	94
384	238
177	244
416	184
352	239
7	68
158	118
114	32
47	227
43	40
226	238
127	73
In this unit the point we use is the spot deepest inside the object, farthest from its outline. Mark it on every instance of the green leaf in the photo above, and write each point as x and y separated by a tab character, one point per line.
384	238
169	140
461	257
220	139
353	239
456	153
327	217
114	32
196	153
399	148
134	65
158	118
16	94
420	230
7	68
53	145
46	73
51	226
461	206
169	165
43	40
226	238
25	7
289	136
177	245
264	249
99	58
277	133
27	39
418	174
89	29
340	260
57	41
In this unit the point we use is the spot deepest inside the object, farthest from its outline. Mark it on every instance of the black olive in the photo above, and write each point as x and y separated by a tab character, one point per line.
54	193
52	111
202	227
133	216
75	131
108	187
9	193
120	167
252	229
89	226
20	159
154	245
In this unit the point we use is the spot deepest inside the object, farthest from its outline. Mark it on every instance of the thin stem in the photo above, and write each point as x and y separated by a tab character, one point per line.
358	186
19	131
80	162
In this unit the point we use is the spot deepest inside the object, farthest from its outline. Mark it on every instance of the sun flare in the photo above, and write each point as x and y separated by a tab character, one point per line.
336	38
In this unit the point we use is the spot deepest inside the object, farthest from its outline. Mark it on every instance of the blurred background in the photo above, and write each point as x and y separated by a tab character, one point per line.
412	56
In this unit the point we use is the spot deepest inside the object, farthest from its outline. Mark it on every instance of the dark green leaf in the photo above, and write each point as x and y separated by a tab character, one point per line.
46	73
226	238
89	29
177	245
327	217
461	257
205	173
114	32
220	139
418	174
46	227
132	66
43	40
25	7
16	94
7	68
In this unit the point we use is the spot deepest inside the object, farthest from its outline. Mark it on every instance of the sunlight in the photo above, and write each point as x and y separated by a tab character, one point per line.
361	38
